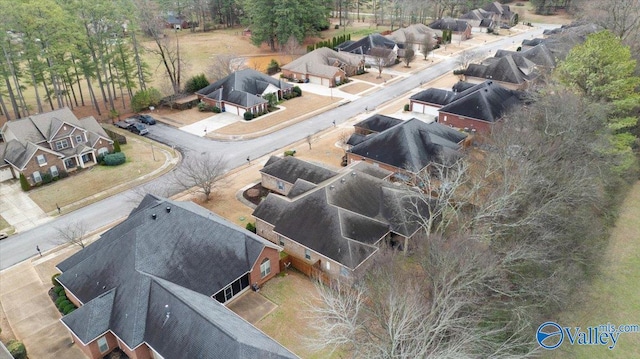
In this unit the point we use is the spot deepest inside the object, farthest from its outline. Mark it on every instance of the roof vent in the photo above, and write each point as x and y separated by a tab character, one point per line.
154	216
168	209
332	187
353	174
342	180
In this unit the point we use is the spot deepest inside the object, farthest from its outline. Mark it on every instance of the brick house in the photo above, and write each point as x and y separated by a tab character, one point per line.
479	107
370	126
408	148
157	285
337	225
279	174
374	48
324	66
49	143
460	29
243	91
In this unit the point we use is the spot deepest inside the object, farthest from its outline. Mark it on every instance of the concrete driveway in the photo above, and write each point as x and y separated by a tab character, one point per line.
212	123
18	209
31	314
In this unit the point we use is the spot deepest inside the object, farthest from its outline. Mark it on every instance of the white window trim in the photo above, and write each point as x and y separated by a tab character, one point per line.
37	179
307	254
265	268
106	343
57	171
44	162
63	141
81	140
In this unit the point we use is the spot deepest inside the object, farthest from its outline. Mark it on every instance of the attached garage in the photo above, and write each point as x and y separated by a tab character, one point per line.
233	109
326	82
6	173
315	80
417	107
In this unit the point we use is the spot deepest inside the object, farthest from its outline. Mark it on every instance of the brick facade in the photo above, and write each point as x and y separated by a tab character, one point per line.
273	255
464	122
272	183
33	166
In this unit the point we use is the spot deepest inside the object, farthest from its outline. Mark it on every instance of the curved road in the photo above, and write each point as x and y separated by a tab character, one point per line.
101	214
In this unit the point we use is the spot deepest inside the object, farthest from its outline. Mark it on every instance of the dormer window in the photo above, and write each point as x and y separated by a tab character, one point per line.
62	144
79	139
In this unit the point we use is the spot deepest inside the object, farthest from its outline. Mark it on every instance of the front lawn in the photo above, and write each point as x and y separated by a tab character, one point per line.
94	180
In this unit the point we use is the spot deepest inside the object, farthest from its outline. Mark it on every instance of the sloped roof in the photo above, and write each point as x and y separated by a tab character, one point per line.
378	123
435	96
540	55
322	62
420	32
411	145
477	14
242	87
503	10
461	86
369	169
448	23
343	218
186	246
289	169
504	69
487	101
560	41
366	44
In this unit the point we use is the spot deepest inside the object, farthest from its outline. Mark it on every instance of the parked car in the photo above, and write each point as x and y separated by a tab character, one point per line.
122	124
3	236
138	129
131	120
146	119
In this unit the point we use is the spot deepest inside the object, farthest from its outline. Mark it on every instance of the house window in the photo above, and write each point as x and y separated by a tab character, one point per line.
102	151
62	144
69	163
445	118
280	185
344	272
42	160
265	267
103	346
54	171
36	177
228	293
79	139
307	254
281	241
328	265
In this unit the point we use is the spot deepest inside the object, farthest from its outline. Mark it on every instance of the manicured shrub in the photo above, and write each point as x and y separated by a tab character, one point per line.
54	280
116	147
251	227
406	107
46	178
17	349
289	153
216	109
59	290
68	309
63	303
142	99
248	116
61	299
63	174
273	67
24	184
115	159
297	91
196	83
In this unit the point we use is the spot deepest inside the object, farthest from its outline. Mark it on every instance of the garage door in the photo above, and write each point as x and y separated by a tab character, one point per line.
5	173
417	107
233	109
315	80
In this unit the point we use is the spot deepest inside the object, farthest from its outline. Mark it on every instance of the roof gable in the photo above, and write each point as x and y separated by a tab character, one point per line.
487	102
242	87
289	169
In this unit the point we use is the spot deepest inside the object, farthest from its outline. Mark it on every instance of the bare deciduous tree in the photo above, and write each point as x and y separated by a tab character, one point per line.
200	174
467	57
73	233
223	65
426	47
379	55
292	47
409	55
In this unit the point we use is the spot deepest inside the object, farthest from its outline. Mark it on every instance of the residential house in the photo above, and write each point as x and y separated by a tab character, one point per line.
279	174
156	286
478	107
336	226
176	22
460	29
371	125
515	70
49	143
430	100
324	66
374	48
561	40
504	15
409	148
243	91
414	35
480	20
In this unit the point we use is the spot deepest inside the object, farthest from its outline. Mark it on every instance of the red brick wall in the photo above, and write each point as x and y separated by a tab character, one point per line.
141	352
463	122
92	350
32	165
274	257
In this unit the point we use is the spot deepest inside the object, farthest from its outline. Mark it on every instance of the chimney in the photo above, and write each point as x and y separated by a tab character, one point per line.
154	216
168	209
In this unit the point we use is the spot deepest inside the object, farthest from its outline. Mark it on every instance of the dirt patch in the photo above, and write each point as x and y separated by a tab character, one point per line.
372	76
355	88
255	194
295	108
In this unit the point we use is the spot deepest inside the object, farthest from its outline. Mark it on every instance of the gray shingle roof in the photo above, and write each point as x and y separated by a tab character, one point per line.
343	218
419	32
322	62
434	96
448	23
242	88
411	145
185	245
366	44
487	101
91	320
289	169
378	123
540	55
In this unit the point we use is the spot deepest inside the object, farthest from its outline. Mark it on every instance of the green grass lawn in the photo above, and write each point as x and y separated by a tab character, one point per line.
3	224
97	179
614	296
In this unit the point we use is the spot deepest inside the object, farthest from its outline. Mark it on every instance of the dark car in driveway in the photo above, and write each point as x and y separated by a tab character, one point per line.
146	119
138	129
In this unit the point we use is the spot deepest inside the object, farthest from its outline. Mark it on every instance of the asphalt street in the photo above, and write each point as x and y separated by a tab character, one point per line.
101	214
